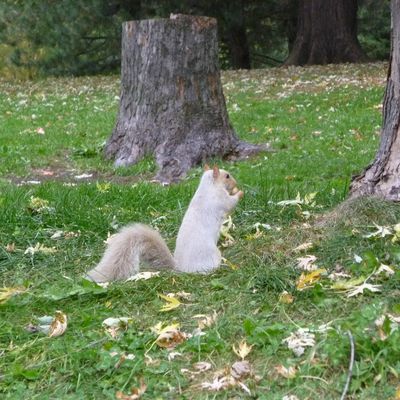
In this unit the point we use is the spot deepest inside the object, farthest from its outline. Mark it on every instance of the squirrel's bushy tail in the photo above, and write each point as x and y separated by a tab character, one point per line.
134	246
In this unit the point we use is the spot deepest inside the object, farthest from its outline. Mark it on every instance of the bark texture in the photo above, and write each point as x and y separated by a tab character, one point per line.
382	177
172	104
326	33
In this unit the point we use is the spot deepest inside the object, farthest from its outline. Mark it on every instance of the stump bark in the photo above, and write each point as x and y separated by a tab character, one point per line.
382	177
171	103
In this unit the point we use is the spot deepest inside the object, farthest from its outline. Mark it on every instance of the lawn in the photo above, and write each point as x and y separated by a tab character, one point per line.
305	269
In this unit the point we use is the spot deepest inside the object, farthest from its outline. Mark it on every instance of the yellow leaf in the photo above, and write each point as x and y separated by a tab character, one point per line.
243	349
230	264
159	328
286	298
103	187
171	303
347	284
7	292
308	280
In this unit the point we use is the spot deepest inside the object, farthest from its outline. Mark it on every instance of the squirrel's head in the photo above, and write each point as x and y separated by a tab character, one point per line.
223	178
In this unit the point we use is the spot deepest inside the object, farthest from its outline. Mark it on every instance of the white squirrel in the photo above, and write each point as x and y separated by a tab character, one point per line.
196	245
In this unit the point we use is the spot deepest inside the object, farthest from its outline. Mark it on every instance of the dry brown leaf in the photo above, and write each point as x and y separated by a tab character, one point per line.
307	263
241	369
173	354
143	276
206	321
136	393
202	366
169	339
303	246
114	325
286	372
59	324
10	248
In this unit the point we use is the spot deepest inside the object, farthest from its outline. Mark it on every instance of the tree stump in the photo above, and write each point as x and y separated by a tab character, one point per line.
172	104
382	177
326	33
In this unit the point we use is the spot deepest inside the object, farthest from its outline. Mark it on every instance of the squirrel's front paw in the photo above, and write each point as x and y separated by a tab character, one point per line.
240	194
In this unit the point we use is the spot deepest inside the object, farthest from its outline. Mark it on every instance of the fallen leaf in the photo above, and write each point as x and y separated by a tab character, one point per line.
307	263
169	339
355	291
38	205
219	383
241	369
8	292
286	298
40	248
160	327
303	246
10	248
51	326
243	349
103	187
347	284
114	325
290	397
59	324
57	235
381	231
173	354
205	321
83	176
202	366
288	373
338	276
306	281
309	200
136	393
181	295
298	340
171	303
386	270
226	227
143	276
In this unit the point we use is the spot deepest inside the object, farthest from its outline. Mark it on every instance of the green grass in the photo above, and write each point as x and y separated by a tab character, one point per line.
323	124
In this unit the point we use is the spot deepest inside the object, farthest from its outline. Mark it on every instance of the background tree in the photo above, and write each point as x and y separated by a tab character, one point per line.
326	33
382	177
83	36
374	28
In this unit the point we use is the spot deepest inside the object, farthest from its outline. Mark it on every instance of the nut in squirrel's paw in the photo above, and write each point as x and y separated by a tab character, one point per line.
235	190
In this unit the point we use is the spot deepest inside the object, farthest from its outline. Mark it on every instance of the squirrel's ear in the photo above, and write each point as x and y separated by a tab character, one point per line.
206	167
215	172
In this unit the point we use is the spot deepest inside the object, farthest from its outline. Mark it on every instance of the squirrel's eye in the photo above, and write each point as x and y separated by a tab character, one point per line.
227	176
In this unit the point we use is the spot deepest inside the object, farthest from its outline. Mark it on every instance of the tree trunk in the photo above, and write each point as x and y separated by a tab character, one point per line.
172	103
326	33
382	177
238	47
